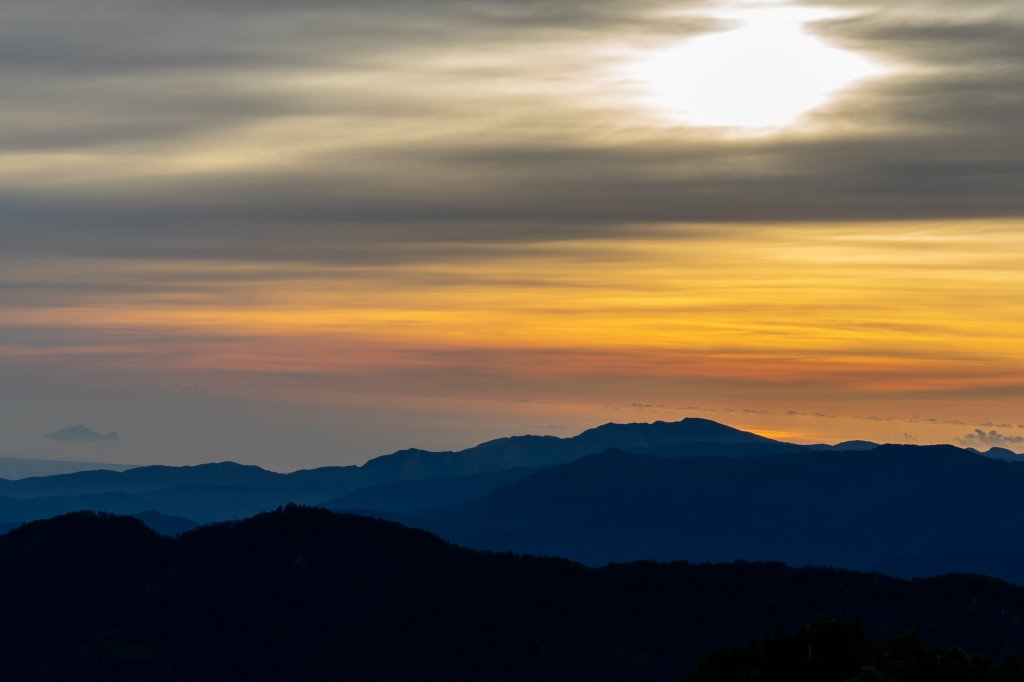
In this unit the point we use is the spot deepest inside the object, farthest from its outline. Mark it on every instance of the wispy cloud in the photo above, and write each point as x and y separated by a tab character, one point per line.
403	198
990	439
321	129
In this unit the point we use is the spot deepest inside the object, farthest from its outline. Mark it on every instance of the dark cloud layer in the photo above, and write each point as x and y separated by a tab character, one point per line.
340	129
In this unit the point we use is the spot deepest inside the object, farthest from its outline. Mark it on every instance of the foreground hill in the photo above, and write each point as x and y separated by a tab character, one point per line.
837	651
306	594
902	508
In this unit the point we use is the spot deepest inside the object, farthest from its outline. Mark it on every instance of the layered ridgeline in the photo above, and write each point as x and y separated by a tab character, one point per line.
305	594
216	492
903	510
691	490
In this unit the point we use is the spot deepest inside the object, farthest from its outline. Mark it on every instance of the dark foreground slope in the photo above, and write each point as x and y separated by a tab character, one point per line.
306	594
838	651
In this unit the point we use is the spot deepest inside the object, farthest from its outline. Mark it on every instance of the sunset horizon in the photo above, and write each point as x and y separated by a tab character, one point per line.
312	235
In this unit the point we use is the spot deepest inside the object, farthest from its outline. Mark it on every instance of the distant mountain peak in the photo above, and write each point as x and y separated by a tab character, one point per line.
1004	454
81	434
689	429
847	446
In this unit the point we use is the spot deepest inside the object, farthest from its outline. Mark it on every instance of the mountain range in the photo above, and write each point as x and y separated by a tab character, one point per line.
690	490
307	594
224	490
890	507
15	467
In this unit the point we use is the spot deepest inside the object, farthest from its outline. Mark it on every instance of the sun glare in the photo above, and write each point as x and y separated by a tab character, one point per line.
764	74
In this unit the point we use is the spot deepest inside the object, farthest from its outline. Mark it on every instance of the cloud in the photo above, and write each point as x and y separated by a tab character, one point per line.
187	179
338	130
990	439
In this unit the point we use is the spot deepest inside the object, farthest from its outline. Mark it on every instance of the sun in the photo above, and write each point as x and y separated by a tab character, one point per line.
765	73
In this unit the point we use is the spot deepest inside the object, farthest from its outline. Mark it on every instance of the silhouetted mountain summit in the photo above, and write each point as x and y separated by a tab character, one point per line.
540	451
305	594
225	490
411	464
1004	454
846	446
689	430
81	434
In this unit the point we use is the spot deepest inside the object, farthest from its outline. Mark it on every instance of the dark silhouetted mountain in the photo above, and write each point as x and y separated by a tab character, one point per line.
406	496
690	430
169	526
846	446
204	504
47	566
850	509
1007	563
839	651
81	434
304	594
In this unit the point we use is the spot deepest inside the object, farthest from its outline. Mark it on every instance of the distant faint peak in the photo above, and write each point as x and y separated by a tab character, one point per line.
1004	454
855	445
81	434
846	446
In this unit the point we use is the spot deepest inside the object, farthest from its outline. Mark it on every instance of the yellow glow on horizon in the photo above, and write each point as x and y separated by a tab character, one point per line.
764	74
827	318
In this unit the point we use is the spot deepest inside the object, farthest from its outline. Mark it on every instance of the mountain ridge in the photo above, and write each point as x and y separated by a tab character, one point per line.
851	509
339	589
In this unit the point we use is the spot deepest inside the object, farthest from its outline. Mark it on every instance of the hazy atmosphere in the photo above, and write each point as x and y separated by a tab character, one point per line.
308	233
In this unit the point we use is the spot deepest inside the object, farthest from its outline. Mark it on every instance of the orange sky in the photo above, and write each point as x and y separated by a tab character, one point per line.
307	233
886	331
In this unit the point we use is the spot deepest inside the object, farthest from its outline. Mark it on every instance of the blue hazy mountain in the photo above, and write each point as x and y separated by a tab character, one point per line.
406	496
81	434
698	449
543	451
171	526
723	495
1000	453
846	446
423	494
306	594
26	467
140	479
225	490
855	509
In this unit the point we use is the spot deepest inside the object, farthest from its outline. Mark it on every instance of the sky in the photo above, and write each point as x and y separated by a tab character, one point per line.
308	233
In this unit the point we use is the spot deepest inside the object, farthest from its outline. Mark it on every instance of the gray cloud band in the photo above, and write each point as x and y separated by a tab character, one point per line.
432	158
